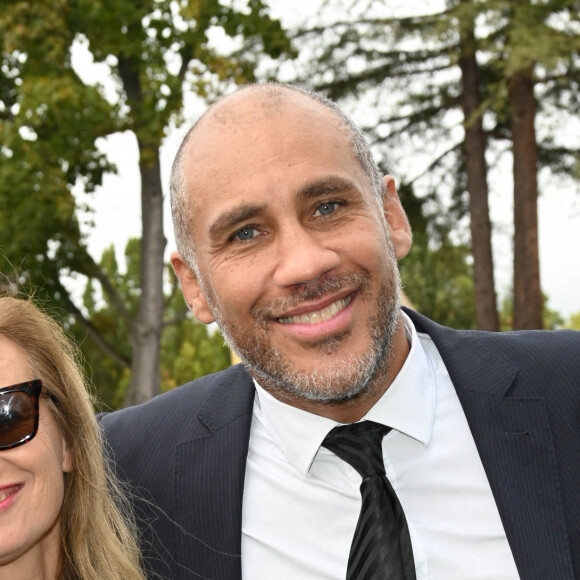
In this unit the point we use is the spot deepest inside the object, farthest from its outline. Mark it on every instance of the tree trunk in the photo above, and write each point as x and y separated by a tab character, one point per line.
145	331
474	146
528	302
148	325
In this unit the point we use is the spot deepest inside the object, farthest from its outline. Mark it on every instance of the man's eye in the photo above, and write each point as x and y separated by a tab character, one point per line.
245	234
326	208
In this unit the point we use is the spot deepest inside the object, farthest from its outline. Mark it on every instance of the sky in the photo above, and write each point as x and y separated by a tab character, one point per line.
117	215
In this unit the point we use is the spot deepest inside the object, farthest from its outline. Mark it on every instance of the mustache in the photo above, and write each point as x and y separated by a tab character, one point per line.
358	281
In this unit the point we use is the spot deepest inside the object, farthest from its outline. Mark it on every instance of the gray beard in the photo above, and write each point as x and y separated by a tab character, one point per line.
354	377
338	384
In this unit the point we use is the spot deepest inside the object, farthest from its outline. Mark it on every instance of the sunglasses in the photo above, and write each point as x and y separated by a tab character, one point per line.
19	413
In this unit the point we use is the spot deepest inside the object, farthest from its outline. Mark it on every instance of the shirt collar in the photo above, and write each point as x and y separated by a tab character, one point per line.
408	406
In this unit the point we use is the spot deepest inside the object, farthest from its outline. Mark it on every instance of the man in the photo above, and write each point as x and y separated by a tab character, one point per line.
288	238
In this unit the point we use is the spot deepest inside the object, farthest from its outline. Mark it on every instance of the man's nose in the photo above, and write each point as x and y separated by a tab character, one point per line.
303	257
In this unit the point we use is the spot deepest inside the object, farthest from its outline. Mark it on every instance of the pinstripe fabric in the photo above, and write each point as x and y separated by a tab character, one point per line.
520	392
381	548
184	456
184	453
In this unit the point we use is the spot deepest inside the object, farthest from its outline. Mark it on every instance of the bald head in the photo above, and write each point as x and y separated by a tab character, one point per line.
233	114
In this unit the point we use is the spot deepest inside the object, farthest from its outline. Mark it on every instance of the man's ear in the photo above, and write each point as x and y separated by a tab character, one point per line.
192	290
400	230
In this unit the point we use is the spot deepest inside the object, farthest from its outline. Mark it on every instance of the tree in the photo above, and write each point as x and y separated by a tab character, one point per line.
551	319
49	121
386	68
470	56
188	349
474	146
573	321
436	274
157	51
531	42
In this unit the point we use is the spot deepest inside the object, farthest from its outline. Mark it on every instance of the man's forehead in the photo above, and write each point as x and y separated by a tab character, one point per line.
252	103
241	110
236	131
235	122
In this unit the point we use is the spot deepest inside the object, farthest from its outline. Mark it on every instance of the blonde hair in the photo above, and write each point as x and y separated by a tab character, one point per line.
98	537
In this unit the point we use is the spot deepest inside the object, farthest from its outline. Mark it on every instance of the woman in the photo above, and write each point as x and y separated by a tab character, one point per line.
61	512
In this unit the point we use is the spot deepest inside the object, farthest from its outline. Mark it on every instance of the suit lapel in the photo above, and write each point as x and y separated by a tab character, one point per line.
514	440
512	434
209	481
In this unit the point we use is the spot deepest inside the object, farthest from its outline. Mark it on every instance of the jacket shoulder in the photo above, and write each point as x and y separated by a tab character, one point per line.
545	360
175	412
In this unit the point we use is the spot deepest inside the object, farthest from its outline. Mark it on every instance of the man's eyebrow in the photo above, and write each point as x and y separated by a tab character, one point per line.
328	185
229	219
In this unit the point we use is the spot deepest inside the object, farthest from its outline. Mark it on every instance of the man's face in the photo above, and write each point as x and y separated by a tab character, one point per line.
294	254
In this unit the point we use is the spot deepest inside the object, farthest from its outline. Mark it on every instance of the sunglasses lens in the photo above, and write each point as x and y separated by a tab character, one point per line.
16	418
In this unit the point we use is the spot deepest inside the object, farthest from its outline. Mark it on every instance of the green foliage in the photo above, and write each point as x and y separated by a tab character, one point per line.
439	284
152	45
188	349
437	275
405	70
50	121
406	67
573	322
552	320
191	350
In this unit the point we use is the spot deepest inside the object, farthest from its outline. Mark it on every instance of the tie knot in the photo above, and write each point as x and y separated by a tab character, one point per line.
360	445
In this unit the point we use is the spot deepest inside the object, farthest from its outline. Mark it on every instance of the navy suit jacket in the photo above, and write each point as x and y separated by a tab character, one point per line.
184	453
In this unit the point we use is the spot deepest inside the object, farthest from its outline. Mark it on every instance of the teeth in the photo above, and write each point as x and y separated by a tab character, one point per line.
6	494
319	315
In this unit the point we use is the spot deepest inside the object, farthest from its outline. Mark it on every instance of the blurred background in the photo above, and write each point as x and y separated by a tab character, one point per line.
472	105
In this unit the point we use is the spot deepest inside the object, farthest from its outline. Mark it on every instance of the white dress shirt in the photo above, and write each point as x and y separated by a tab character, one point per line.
301	502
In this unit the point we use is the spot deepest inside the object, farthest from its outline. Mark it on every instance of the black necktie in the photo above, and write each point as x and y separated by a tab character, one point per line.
381	547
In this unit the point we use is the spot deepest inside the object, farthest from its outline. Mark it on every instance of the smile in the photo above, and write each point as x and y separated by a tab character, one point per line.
8	492
318	315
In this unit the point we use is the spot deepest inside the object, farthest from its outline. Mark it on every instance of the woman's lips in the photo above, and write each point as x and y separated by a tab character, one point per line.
9	491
